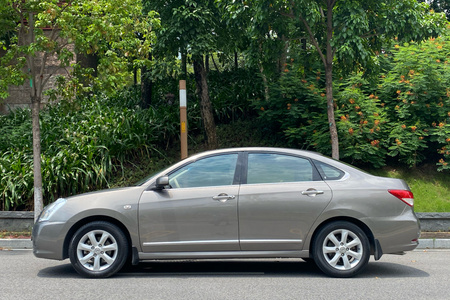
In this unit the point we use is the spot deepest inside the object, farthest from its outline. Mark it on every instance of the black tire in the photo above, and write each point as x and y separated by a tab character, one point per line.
341	249
98	249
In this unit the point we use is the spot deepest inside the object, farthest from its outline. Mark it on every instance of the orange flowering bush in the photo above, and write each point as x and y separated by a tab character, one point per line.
416	93
401	114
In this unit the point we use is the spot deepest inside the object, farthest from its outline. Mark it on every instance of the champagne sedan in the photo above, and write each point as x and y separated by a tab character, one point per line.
235	203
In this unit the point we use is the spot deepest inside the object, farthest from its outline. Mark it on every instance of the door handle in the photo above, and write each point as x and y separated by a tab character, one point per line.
312	192
224	197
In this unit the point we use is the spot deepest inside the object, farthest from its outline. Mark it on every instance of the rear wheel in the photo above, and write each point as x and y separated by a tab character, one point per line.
98	249
341	249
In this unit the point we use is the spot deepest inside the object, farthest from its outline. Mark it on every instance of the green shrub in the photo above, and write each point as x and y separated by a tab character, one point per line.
231	93
83	144
16	178
417	102
403	114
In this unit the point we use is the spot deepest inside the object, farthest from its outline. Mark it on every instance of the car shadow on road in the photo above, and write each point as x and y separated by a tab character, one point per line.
199	268
391	270
242	268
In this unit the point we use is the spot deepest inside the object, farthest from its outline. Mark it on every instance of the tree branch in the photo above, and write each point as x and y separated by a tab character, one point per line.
311	35
291	15
313	39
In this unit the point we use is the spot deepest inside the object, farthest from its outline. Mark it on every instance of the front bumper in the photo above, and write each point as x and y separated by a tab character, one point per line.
48	240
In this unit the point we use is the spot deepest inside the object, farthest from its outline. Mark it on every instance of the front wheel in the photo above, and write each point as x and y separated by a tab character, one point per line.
341	249
98	249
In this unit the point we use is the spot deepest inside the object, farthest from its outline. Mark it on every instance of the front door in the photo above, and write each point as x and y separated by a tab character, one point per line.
198	212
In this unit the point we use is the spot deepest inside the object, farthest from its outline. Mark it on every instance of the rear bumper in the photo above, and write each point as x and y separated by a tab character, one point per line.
397	234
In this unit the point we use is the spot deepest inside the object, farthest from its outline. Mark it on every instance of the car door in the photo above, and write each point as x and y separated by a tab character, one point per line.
280	199
198	212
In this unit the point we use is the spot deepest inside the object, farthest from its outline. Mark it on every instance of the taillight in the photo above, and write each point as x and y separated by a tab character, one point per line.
404	195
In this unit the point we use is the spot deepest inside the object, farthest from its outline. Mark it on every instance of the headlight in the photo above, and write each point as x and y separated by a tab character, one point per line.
50	209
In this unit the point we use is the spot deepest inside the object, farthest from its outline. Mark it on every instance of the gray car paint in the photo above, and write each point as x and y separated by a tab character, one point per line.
157	228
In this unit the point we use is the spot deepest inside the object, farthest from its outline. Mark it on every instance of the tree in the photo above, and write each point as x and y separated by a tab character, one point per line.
46	29
194	28
347	34
439	6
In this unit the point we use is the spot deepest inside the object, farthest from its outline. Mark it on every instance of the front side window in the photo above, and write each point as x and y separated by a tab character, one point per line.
274	168
210	171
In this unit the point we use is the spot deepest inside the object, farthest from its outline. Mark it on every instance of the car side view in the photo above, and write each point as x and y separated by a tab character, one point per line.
235	203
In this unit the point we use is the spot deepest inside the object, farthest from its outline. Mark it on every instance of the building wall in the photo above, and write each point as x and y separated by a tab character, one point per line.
19	96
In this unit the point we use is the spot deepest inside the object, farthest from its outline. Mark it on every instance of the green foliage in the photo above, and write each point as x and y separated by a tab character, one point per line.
295	107
190	25
403	114
362	122
83	144
231	93
115	31
417	97
16	180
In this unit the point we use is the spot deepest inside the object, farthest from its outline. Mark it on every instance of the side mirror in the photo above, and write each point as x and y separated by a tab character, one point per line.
161	182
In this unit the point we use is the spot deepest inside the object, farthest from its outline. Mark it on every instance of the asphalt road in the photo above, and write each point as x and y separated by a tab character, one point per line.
416	275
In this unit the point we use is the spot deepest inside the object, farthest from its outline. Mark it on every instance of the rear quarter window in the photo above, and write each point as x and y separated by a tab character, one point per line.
328	172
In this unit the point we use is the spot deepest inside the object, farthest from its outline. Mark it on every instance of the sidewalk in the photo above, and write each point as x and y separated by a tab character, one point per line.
428	242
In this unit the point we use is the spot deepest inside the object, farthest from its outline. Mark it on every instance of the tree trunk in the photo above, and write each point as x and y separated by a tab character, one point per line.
215	64
38	199
146	88
207	64
329	83
205	102
283	55
265	82
264	77
330	112
183	66
35	96
327	59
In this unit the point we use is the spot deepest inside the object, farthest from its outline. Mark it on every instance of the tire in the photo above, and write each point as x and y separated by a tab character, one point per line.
98	249
341	249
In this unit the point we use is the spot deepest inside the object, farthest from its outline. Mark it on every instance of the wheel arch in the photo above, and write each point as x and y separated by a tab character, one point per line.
87	220
355	221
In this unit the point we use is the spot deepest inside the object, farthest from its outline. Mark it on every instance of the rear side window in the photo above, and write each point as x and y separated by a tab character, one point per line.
274	168
328	172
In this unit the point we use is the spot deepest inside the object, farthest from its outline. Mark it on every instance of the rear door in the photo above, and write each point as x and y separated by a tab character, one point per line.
280	198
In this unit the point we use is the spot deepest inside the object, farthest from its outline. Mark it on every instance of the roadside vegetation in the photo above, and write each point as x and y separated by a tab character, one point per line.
253	82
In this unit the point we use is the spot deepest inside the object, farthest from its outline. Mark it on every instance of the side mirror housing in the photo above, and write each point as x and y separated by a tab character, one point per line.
161	182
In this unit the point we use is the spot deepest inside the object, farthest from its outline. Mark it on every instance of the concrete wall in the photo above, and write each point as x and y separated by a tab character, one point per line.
434	221
16	220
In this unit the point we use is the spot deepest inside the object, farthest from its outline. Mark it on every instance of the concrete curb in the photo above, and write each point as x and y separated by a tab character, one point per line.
434	244
17	244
